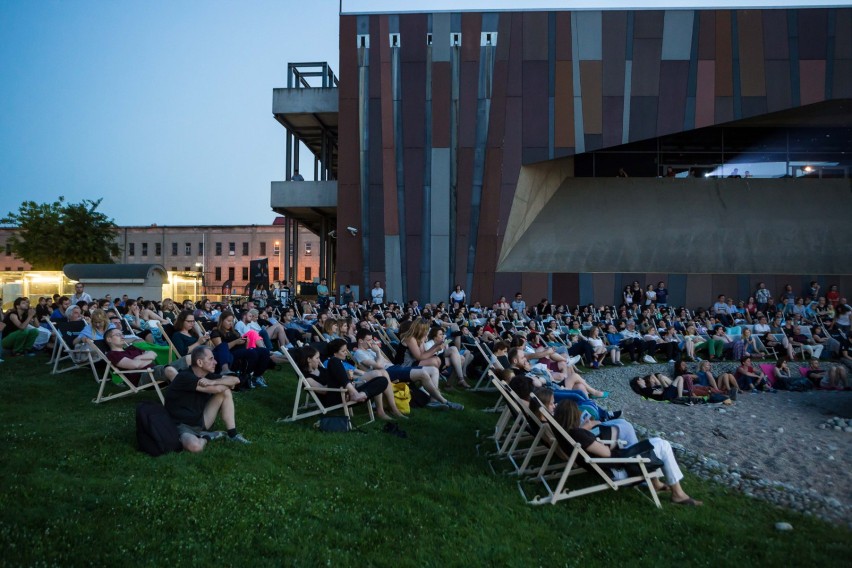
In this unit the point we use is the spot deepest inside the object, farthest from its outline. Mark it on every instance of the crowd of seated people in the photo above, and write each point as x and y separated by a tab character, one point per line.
644	328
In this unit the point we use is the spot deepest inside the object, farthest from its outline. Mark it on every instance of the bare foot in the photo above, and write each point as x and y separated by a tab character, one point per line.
385	417
689	502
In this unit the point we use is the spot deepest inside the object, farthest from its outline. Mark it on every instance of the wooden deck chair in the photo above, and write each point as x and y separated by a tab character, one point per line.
173	352
307	403
67	356
557	484
483	383
523	443
120	377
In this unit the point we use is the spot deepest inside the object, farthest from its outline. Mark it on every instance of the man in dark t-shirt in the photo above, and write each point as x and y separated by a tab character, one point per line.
197	396
130	358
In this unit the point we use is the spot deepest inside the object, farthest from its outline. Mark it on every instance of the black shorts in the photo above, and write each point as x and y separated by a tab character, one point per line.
374	387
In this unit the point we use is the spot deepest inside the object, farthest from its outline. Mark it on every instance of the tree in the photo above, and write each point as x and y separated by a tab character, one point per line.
51	235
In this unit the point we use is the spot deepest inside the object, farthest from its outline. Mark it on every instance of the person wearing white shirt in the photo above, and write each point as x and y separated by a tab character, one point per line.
79	295
377	293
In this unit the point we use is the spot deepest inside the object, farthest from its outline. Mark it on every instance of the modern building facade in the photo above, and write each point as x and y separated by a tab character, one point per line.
483	149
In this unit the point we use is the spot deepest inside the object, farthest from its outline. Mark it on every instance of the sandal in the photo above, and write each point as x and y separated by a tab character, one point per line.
689	502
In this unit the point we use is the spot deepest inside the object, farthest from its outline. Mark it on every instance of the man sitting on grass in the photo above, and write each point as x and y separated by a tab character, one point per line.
197	396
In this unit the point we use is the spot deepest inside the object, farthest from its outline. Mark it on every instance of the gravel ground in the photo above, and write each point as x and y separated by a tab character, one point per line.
769	446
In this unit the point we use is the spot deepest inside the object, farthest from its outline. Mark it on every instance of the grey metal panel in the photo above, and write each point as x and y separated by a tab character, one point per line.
589	28
677	34
393	269
490	21
439	277
579	137
440	206
439	250
363	25
440	37
625	118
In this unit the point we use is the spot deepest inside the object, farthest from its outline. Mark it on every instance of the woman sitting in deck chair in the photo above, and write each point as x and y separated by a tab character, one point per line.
569	416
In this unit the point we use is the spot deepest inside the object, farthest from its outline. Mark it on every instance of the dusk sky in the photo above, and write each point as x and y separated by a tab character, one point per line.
163	109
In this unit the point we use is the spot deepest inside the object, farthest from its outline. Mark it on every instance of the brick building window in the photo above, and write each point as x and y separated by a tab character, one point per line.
218	249
263	249
188	249
231	273
245	273
144	249
158	249
245	249
174	249
218	274
131	249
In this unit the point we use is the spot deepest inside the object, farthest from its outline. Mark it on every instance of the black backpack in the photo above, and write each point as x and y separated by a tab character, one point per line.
156	432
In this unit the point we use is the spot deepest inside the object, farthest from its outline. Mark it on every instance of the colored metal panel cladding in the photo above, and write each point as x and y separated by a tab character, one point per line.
559	83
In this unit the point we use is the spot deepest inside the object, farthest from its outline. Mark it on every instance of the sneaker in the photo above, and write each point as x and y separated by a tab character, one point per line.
259	381
604	395
238	438
436	405
649	359
574	360
454	406
614	415
732	394
671	361
619	363
210	436
595	365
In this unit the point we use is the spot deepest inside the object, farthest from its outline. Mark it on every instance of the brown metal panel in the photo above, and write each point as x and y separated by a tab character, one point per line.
775	34
413	104
750	33
563	105
648	24
506	284
673	79
778	94
516	79
535	36
386	95
590	79
699	290
489	210
705	101
471	26
534	104
614	50
603	285
613	114
813	34
412	31
843	34
497	112
463	195
413	172
468	92
812	74
707	35
646	67
563	36
441	93
566	288
534	286
723	284
724	57
390	199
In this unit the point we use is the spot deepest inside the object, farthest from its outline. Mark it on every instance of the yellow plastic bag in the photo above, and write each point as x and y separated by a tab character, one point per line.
402	397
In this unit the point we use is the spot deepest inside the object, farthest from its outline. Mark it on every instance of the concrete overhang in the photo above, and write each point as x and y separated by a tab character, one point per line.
559	223
308	202
309	113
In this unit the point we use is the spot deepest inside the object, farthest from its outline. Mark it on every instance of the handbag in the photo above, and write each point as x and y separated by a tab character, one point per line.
335	424
402	397
643	449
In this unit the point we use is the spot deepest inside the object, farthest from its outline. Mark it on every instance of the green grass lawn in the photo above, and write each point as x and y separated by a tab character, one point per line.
76	491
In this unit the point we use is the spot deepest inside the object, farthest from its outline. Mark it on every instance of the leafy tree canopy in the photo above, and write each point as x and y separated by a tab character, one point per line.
51	235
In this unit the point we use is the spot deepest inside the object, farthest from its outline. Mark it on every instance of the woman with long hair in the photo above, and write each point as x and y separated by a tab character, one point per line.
569	416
